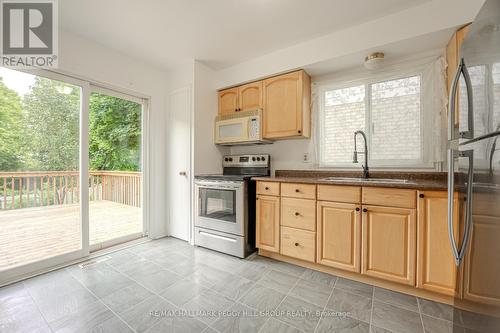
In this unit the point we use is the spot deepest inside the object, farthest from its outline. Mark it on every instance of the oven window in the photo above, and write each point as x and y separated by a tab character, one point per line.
218	204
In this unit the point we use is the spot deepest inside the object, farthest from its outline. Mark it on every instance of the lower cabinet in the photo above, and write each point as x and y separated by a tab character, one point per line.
482	266
389	243
436	267
339	235
300	244
268	223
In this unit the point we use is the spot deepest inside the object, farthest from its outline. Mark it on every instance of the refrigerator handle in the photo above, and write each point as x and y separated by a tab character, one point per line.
452	154
453	132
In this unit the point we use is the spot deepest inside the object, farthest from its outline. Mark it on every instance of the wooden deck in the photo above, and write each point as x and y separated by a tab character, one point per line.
31	234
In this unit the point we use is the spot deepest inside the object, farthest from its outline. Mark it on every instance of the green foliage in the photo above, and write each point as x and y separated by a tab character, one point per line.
10	128
115	133
51	119
41	131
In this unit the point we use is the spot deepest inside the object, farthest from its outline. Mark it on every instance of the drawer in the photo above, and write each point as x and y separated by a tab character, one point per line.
391	197
339	193
298	244
304	191
268	188
298	213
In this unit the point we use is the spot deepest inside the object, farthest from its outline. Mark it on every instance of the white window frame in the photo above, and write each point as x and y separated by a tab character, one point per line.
425	133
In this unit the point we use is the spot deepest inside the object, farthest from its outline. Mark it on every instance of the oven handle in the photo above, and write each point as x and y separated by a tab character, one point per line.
217	236
217	186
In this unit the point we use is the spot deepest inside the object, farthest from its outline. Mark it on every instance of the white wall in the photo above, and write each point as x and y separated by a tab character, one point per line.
207	156
87	60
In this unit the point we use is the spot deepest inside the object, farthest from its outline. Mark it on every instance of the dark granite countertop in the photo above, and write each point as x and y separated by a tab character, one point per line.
414	180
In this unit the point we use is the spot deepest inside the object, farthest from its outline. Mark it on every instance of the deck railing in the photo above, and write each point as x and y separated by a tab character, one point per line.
49	188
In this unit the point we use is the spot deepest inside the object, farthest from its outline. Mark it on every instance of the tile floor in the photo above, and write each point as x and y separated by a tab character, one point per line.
139	289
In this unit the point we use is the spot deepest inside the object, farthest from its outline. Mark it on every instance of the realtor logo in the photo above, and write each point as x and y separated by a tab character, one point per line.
29	33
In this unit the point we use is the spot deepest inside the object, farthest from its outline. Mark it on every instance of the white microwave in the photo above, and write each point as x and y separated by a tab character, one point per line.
239	128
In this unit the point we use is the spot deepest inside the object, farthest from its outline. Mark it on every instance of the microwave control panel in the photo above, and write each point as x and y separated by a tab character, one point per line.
253	128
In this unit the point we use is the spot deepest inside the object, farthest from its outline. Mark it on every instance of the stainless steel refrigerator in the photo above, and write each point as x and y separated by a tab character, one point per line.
474	171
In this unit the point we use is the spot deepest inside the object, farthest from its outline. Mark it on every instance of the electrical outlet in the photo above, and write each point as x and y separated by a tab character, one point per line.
305	158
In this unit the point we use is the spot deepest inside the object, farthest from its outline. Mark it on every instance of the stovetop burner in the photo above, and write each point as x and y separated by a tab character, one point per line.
240	168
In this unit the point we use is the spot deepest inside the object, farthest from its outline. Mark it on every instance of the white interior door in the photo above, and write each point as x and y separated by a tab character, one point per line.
179	164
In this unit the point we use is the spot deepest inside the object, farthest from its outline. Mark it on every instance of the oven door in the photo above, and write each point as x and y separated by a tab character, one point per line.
220	206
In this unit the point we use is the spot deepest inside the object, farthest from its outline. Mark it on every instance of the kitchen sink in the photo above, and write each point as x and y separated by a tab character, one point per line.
371	180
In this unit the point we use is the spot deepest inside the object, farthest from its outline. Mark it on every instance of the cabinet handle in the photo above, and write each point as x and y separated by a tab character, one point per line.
297	190
267	188
357	209
365	210
297	244
297	213
421	195
299	131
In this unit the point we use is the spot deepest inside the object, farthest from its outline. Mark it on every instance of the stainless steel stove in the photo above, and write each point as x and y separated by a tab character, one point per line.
225	205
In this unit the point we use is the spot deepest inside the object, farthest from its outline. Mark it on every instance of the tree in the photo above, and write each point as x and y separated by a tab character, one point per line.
115	133
10	129
51	120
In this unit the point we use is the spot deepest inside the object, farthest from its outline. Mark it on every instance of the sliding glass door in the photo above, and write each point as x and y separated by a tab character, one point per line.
41	197
115	168
71	162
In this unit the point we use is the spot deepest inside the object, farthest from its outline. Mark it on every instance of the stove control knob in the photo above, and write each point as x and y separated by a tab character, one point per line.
230	159
263	158
253	158
226	159
258	158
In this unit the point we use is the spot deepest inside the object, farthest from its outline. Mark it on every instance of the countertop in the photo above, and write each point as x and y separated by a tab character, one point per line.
415	180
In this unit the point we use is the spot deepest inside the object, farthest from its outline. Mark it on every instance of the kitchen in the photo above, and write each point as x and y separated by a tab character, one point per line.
331	184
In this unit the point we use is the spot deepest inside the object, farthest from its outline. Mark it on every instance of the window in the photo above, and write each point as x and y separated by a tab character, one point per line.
388	111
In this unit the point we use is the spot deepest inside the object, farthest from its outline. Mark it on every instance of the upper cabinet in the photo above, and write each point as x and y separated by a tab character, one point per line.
228	101
250	96
284	100
287	106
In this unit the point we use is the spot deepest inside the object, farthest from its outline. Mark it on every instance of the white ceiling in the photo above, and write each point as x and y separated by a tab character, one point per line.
220	33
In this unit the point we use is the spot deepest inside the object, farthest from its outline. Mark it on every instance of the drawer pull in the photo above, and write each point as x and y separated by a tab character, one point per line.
421	195
297	213
365	210
297	190
297	244
266	188
357	209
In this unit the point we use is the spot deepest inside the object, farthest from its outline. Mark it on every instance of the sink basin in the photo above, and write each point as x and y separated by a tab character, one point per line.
371	180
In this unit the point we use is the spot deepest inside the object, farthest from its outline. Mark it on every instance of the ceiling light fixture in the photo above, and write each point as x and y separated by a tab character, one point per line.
374	60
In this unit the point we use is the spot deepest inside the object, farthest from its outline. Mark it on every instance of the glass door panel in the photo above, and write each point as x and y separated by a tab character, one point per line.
115	170
39	171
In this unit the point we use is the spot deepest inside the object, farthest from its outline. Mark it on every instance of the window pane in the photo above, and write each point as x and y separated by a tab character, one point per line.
396	120
344	113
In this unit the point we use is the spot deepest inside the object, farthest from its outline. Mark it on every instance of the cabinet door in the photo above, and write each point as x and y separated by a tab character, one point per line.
389	239
250	96
482	267
268	223
228	101
339	235
436	269
286	107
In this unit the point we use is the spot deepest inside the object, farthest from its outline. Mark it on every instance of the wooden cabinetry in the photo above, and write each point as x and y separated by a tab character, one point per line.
228	101
453	58
268	223
287	106
250	96
298	244
339	235
436	269
389	243
482	266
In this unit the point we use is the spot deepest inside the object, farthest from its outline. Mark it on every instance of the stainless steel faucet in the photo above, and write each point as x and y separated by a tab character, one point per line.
355	155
